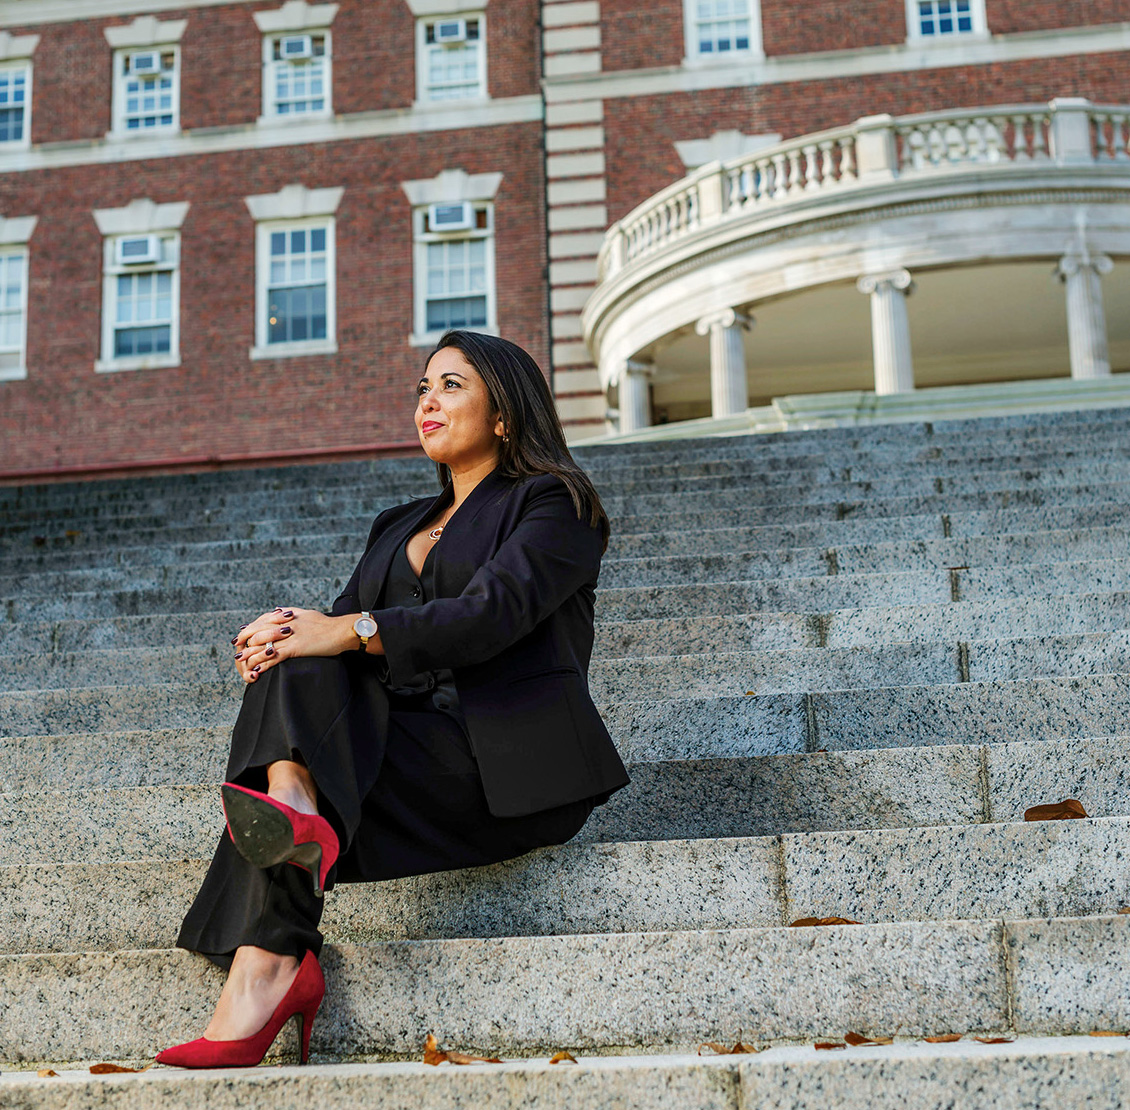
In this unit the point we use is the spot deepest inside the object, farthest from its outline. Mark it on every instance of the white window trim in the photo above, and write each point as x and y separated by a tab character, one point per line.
422	98
14	238
269	117
118	129
111	271
26	65
263	230
420	336
694	59
295	15
914	36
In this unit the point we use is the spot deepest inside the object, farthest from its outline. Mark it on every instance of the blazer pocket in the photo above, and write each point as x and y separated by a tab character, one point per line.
553	672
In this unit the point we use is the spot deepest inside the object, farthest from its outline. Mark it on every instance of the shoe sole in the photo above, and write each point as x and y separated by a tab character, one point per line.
265	837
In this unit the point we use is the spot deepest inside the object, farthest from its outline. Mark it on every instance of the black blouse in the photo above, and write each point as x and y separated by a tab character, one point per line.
403	587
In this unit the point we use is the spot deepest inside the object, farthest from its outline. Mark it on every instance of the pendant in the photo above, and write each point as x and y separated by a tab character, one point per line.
435	533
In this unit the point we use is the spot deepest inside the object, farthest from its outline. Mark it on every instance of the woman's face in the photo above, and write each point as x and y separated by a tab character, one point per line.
455	419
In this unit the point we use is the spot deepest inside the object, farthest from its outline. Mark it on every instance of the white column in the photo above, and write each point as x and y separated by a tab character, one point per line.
890	330
635	399
1082	273
728	393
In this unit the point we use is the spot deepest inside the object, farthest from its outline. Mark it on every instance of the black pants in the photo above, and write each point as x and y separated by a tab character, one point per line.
396	778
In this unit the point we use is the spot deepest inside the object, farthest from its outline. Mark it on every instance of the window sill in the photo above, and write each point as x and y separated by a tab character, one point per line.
719	61
419	105
431	338
14	374
133	136
138	362
954	38
294	350
295	117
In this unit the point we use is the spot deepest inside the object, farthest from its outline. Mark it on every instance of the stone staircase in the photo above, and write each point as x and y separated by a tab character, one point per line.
840	666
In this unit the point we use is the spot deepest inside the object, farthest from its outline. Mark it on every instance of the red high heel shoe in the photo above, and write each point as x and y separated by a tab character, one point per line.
267	832
303	998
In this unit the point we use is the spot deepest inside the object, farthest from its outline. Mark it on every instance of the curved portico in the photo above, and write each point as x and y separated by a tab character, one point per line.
1009	220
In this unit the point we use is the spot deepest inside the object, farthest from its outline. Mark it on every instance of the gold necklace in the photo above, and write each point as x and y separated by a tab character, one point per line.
437	531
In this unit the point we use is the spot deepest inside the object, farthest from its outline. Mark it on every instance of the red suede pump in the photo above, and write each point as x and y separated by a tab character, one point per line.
267	832
303	998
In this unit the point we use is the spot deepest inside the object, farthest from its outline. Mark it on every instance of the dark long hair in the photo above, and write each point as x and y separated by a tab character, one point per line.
535	441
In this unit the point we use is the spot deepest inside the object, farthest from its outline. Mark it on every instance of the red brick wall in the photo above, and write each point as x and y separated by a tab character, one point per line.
635	36
640	132
218	401
374	64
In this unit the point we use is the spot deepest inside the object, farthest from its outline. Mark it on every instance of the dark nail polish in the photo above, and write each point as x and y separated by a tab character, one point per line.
278	608
255	669
239	655
234	640
270	650
286	630
289	613
242	627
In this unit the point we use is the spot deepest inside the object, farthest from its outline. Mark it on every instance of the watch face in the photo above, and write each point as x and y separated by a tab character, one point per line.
365	626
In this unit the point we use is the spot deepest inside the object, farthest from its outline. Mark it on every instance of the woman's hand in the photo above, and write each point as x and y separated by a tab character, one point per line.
287	634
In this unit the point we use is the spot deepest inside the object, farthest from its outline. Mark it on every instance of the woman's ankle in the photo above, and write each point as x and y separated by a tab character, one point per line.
293	785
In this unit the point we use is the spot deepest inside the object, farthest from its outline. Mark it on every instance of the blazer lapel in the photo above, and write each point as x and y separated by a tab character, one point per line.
374	570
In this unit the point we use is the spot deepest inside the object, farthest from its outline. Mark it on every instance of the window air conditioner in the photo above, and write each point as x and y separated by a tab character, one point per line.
451	217
148	61
139	250
296	46
451	30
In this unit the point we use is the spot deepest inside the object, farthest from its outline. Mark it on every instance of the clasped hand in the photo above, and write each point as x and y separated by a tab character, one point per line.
287	634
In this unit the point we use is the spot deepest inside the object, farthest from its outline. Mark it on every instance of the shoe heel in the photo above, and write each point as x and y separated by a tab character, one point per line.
305	1029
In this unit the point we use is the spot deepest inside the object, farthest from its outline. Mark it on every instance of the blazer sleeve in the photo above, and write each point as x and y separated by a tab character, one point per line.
348	600
549	555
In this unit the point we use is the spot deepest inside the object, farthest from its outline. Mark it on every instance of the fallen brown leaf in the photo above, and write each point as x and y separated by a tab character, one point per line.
803	922
1123	909
1105	1033
944	1038
1068	810
994	1040
563	1057
722	1050
114	1069
829	1044
46	1073
434	1055
857	1039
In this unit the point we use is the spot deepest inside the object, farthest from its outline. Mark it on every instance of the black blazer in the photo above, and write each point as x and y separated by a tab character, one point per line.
514	576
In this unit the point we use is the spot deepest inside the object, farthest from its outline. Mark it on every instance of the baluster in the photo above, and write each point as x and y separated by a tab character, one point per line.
812	180
1040	124
780	181
1019	138
692	209
1120	140
827	170
847	160
994	138
956	149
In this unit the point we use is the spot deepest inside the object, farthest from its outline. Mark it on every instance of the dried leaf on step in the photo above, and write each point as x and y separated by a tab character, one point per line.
1105	1033
803	922
114	1069
994	1040
856	1039
433	1054
1123	909
563	1057
944	1038
47	1073
750	694
829	1044
721	1050
463	1058
1068	810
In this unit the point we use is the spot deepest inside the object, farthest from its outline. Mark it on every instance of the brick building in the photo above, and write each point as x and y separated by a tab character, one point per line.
231	230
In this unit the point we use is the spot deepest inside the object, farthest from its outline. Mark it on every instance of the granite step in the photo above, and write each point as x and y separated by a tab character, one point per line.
1025	1073
677	728
126	883
670	989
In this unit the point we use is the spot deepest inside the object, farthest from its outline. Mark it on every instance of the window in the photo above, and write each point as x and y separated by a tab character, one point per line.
296	74
721	29
15	87
454	268
141	295
146	90
451	58
931	20
13	313
295	295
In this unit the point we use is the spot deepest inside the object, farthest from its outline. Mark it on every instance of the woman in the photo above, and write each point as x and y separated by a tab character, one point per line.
437	717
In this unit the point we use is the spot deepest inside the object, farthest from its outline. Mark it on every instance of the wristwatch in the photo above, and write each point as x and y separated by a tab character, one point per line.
365	627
